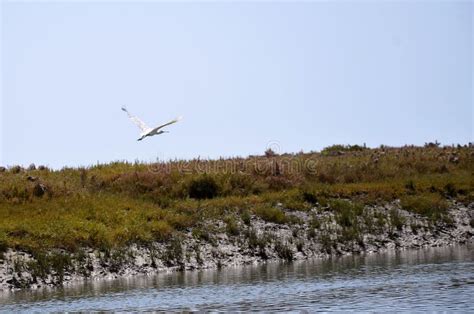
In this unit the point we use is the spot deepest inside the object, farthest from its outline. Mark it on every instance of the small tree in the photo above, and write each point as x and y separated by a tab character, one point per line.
270	153
203	187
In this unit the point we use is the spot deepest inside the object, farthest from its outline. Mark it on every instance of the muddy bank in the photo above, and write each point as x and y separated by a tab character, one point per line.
317	233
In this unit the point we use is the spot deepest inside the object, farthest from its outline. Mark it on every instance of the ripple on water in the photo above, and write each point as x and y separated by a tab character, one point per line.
432	279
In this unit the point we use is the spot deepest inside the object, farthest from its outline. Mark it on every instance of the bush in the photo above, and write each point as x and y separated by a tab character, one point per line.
326	242
300	246
310	197
271	214
201	234
16	169
396	219
337	149
311	234
351	234
283	251
44	264
257	242
295	201
432	206
278	183
410	187
232	227
270	153
346	212
3	242
450	190
39	189
203	188
173	254
117	259
246	218
161	230
240	184
315	222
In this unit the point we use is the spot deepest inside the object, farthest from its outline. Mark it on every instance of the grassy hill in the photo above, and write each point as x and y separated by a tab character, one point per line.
114	205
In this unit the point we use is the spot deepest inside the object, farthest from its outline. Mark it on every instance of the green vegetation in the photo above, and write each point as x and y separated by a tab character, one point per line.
203	187
283	251
341	149
110	206
271	214
430	205
396	219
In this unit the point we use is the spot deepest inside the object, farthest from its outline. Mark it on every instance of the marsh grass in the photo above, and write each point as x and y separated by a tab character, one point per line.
396	219
430	205
283	250
110	206
271	214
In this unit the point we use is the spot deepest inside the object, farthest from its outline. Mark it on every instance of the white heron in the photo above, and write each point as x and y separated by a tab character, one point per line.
145	129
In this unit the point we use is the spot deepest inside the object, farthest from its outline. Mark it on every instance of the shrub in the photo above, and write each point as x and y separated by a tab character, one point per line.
16	169
201	234
326	242
117	259
173	254
346	212
278	183
310	197
283	251
296	202
232	227
257	242
161	230
450	190
44	264
179	221
396	219
246	218
351	234
39	189
270	153
300	246
315	222
311	234
240	184
380	220
410	187
3	242
337	149
203	187
83	263
432	206
271	214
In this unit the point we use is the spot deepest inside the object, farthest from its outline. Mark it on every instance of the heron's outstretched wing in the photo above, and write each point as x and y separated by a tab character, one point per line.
166	124
141	125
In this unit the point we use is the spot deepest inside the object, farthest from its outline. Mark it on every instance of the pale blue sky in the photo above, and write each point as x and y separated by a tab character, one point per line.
243	74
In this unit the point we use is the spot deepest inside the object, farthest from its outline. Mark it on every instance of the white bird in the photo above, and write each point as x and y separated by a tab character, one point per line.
145	129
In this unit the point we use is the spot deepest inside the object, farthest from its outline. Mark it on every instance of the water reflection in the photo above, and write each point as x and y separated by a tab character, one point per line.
429	279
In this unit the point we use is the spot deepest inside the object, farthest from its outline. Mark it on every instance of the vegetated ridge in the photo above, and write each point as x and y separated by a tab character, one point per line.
127	218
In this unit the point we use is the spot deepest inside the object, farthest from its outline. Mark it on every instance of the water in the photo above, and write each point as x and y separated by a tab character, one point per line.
439	279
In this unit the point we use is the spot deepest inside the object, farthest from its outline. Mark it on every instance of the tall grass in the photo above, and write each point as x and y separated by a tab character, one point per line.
112	205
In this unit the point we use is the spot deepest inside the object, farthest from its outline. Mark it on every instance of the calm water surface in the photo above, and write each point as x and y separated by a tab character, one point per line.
431	279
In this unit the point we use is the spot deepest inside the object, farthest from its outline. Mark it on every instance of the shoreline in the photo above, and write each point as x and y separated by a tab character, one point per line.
257	242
